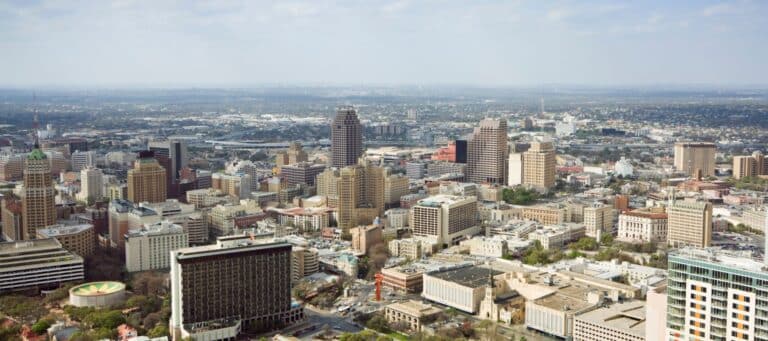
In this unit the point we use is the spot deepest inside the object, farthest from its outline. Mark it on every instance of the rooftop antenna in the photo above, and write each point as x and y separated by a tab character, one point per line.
35	122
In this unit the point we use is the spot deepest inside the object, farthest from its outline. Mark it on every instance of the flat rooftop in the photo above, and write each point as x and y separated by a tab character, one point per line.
468	276
724	258
628	317
63	230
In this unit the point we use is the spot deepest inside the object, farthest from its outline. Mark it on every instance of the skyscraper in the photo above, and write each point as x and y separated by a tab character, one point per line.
539	166
357	191
694	158
487	152
346	138
38	196
233	285
689	223
146	181
175	151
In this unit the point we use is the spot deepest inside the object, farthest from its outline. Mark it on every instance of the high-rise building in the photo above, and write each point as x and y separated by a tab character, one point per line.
11	167
82	160
236	284
689	223
147	179
13	228
91	185
38	196
175	151
749	165
695	158
415	169
357	192
539	166
301	173
346	138
445	219
395	186
716	295
293	155
487	152
598	218
149	248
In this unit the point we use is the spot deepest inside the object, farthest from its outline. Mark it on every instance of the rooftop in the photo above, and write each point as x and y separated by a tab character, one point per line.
628	317
414	308
63	230
729	259
468	276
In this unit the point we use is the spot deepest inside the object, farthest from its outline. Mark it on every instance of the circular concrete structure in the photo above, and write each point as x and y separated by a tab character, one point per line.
97	294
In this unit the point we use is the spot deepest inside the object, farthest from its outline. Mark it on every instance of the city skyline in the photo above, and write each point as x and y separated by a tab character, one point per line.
136	43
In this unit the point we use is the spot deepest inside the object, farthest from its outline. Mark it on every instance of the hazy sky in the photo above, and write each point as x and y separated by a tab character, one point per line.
219	43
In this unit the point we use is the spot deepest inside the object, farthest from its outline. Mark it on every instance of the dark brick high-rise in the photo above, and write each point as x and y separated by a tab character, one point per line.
346	138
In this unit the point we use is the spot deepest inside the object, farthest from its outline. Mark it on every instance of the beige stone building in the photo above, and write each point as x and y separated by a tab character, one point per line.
598	218
356	191
445	219
689	223
147	179
539	166
294	154
413	314
365	237
79	239
749	165
38	195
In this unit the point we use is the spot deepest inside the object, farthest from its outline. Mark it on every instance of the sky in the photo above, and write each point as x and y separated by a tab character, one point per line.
376	42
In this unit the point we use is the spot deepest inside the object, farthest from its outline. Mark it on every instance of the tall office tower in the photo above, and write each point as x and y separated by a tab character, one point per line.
749	165
714	294
294	154
539	166
527	124
695	158
361	195
147	179
445	219
487	152
346	138
515	169
357	191
10	208
175	151
38	203
91	183
236	284
82	160
689	223
598	218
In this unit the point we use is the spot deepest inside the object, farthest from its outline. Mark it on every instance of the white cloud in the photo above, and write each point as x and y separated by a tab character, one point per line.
715	10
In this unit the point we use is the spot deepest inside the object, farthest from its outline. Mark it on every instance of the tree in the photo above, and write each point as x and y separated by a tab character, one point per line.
378	323
519	196
41	327
109	319
22	308
160	330
151	320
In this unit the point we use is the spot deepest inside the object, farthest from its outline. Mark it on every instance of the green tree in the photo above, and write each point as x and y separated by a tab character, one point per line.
160	330
41	327
519	196
378	323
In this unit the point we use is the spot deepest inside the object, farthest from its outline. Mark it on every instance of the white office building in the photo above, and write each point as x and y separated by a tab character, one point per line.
37	264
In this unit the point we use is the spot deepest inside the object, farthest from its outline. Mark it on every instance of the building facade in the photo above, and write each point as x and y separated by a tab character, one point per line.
487	152
147	179
445	219
643	226
689	223
38	195
79	239
539	166
37	264
346	138
694	158
149	248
